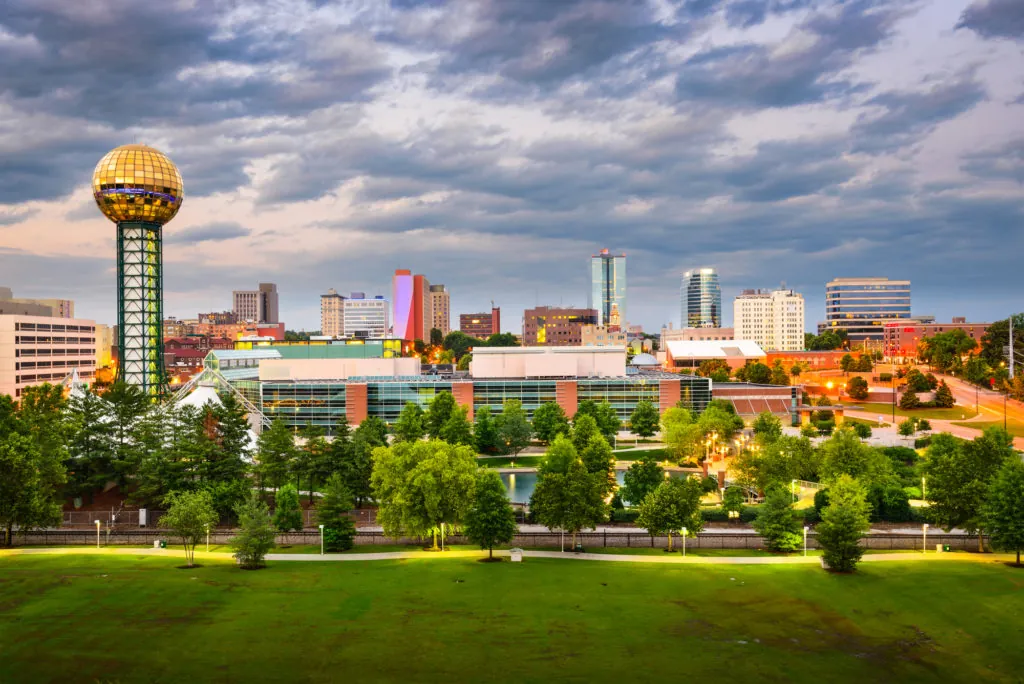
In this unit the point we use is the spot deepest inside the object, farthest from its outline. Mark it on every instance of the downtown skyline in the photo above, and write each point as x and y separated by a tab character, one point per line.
331	147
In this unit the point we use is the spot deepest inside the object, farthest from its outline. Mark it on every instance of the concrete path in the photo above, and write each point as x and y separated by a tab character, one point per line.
676	557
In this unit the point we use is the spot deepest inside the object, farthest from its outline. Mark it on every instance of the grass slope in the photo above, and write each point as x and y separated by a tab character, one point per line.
1014	427
885	410
138	619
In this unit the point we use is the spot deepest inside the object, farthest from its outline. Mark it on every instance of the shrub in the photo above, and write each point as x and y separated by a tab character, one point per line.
747	514
332	512
910	400
923	442
808	430
944	396
777	522
287	513
625	515
709	484
857	388
825	427
843	523
885	377
256	533
862	430
923	425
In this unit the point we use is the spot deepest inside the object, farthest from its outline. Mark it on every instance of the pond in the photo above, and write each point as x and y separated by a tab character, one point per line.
520	485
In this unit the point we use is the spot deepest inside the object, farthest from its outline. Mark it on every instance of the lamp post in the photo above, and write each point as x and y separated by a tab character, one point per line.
806	528
684	542
97	534
924	493
321	540
207	539
924	538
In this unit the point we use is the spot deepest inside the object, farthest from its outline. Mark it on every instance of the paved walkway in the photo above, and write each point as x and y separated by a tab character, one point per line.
676	558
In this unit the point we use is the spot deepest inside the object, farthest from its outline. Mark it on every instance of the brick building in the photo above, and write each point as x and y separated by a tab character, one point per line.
555	326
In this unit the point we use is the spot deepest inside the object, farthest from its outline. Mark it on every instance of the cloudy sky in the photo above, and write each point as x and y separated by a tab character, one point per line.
495	144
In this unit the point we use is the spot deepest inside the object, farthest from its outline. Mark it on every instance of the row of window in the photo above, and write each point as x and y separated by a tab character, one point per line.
51	327
83	351
30	339
25	365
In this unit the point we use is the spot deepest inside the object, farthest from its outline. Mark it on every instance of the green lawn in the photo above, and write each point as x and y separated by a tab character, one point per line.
1014	427
885	410
139	619
637	454
506	462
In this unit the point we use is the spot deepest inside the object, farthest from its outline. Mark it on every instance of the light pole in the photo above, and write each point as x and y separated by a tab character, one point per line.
97	534
684	542
207	539
806	528
924	538
924	493
321	540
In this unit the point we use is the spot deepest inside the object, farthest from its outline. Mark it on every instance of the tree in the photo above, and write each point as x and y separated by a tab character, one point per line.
409	426
358	462
463	364
22	500
645	419
857	388
767	427
864	364
190	516
332	512
438	412
683	438
311	457
256	533
641	479
1003	510
129	404
997	338
845	454
490	520
460	343
275	454
944	396
758	373
502	340
777	523
436	337
374	429
485	432
458	429
945	351
779	374
862	430
90	463
959	475
846	363
583	430
599	460
843	523
710	368
514	431
287	512
733	499
907	428
571	499
910	400
604	415
549	420
673	505
423	488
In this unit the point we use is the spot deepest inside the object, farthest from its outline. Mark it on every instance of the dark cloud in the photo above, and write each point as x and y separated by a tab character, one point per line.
753	75
908	116
747	13
208	232
1005	162
994	18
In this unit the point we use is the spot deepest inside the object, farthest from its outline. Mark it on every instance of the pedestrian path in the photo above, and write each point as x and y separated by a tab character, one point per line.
673	558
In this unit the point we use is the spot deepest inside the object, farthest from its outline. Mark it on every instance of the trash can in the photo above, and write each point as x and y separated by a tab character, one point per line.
578	548
945	547
939	548
156	543
516	554
163	543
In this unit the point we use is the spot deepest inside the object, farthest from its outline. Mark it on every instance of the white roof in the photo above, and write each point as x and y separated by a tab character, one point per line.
201	396
714	349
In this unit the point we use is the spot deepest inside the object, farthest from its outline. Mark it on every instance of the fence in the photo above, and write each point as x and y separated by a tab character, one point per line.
125	519
606	539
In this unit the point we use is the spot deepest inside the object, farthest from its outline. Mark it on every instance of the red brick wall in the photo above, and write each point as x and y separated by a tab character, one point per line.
566	396
462	392
668	394
355	403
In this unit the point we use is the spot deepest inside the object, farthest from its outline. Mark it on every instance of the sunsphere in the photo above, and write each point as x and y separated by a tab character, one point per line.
137	183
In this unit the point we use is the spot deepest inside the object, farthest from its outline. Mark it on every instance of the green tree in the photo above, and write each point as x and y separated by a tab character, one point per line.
944	396
845	454
857	388
23	501
641	479
43	419
959	475
645	419
673	505
758	373
514	431
945	351
779	375
129	404
336	456
599	460
716	369
907	428
190	516
490	520
275	454
1003	510
569	500
256	533
767	427
910	400
409	426
287	512
458	429
357	467
91	455
439	411
843	523
583	430
436	337
423	488
604	415
463	364
997	338
502	340
332	512
374	429
733	499
683	438
777	523
846	363
485	432
311	457
460	343
549	420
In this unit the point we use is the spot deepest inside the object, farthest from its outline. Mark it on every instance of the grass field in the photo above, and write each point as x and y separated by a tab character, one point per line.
139	619
637	454
1014	427
885	410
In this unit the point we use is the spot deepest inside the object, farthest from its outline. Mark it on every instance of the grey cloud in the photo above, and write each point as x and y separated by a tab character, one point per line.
12	216
751	75
1005	162
994	18
908	116
208	232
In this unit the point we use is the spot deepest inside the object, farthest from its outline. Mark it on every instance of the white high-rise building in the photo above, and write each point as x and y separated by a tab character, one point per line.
366	317
772	319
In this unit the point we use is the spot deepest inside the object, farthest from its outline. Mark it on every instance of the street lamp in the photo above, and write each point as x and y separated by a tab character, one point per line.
97	534
924	538
924	494
321	540
207	539
806	528
684	542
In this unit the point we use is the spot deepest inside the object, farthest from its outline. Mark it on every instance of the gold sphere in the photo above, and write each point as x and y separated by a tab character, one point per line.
137	183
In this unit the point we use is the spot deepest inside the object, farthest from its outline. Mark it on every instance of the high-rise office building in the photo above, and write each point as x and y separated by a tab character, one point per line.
365	317
410	296
440	309
332	314
608	286
58	308
701	299
256	306
549	326
773	319
44	348
481	325
862	307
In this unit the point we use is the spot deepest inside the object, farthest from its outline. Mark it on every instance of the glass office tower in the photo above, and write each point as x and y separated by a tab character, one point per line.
701	299
608	287
862	306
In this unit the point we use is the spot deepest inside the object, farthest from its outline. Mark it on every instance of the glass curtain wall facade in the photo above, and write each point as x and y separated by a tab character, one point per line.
701	299
608	286
862	306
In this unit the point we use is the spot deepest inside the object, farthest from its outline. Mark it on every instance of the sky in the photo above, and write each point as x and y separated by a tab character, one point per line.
494	145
